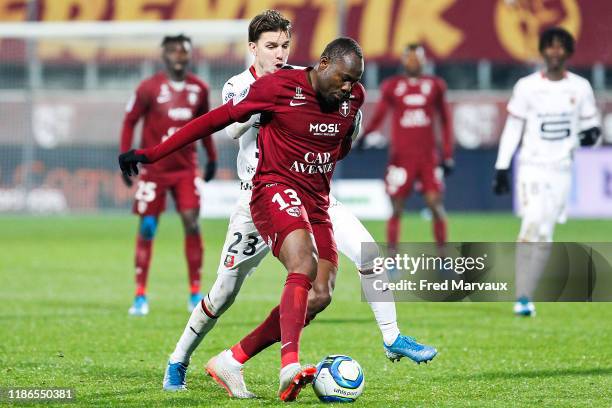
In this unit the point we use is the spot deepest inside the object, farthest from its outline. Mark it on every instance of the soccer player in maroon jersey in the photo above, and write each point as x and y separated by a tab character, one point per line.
414	100
306	116
167	101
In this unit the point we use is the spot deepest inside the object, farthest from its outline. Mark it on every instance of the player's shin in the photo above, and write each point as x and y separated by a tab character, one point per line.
393	232
200	323
142	260
194	253
382	304
292	312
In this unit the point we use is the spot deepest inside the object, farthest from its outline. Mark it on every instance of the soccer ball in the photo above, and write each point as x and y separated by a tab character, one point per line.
339	379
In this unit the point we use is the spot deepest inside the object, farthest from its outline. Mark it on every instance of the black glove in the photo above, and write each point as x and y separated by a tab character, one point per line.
589	137
126	180
210	171
128	162
448	166
501	183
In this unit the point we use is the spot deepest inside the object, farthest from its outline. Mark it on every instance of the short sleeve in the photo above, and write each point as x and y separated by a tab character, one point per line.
518	105
228	92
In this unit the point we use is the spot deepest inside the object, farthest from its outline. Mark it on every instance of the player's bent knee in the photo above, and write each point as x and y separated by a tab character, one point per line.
148	227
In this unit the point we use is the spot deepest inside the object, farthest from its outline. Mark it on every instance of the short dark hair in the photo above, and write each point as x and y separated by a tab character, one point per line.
340	47
557	33
269	20
175	38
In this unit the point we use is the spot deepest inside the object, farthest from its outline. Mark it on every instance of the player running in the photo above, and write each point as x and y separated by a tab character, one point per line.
244	249
291	184
167	101
550	113
414	100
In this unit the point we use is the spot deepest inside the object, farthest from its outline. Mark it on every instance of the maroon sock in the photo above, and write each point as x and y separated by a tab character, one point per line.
393	232
439	230
143	259
292	311
194	253
261	338
264	335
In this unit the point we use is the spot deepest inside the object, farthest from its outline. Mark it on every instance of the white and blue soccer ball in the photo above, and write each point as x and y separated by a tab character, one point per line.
339	379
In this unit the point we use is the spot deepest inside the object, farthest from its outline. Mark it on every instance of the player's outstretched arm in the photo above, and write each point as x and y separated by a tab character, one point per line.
203	126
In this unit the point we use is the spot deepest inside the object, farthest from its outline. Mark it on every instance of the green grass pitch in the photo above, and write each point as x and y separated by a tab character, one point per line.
66	284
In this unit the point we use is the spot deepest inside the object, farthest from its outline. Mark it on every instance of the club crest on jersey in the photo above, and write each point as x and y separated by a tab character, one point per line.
345	108
298	93
164	94
426	87
229	261
294	211
192	98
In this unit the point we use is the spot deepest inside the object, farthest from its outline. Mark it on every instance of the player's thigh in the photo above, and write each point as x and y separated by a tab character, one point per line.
277	212
185	192
323	233
244	248
150	197
431	177
399	180
531	192
352	238
558	187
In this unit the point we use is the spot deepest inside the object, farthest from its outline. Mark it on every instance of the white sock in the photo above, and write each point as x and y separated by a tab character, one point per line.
197	327
382	305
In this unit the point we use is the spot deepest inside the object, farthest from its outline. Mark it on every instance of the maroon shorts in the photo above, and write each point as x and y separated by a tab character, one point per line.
150	197
277	210
425	174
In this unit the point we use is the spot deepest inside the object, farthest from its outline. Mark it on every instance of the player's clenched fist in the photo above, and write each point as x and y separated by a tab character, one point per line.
128	162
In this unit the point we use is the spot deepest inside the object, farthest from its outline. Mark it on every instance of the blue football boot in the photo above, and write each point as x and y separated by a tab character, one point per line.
140	306
174	377
194	299
405	346
523	307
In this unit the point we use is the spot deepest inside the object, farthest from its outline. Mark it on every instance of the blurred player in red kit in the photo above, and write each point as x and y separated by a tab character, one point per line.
414	100
306	126
167	101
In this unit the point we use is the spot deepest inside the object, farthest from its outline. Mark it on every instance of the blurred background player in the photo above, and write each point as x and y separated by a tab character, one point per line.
244	249
414	100
551	112
167	101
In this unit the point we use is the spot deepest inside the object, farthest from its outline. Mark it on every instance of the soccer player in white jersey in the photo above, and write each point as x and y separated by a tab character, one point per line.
551	112
244	249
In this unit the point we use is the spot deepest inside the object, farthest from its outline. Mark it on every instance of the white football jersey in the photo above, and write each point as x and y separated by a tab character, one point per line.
248	154
554	113
246	162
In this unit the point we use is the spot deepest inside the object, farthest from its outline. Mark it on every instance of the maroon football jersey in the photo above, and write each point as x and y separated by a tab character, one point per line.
298	143
166	106
414	103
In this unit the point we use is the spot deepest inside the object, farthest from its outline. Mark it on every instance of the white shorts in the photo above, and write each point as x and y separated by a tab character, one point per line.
244	248
543	193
